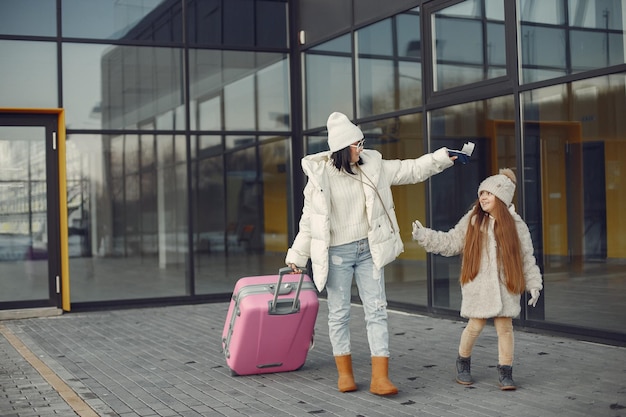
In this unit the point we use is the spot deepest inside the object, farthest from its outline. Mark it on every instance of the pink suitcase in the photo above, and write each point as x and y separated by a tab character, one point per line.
268	330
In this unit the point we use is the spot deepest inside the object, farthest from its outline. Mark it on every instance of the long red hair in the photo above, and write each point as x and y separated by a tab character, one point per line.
508	245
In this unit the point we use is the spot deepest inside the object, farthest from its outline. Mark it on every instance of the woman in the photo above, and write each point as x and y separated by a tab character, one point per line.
497	266
348	228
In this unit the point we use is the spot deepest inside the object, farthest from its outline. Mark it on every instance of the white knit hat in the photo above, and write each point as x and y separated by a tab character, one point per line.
341	132
502	185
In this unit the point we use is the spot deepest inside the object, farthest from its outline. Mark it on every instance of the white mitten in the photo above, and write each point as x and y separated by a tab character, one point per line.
416	226
534	296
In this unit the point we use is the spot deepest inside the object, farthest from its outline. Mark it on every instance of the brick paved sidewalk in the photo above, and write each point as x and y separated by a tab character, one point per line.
167	361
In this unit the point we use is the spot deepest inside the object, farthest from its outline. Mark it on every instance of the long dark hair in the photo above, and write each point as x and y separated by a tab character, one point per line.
341	160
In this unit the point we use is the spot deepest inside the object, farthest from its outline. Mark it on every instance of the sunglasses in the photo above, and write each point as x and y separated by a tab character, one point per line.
359	145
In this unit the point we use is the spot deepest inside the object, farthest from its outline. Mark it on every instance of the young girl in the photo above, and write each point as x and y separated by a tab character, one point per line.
497	266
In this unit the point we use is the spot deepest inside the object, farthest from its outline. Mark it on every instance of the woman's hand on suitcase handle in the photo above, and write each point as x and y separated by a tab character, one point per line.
294	268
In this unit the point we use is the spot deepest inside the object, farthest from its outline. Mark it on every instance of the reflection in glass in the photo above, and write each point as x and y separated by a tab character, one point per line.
375	39
210	113
410	85
238	106
274	158
209	211
550	12
273	97
120	87
153	20
468	46
555	43
376	91
575	198
328	81
244	213
28	17
408	34
252	87
455	190
29	77
130	217
401	138
389	75
23	214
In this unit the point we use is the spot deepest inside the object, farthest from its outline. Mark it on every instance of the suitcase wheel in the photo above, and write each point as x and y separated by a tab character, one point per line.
233	373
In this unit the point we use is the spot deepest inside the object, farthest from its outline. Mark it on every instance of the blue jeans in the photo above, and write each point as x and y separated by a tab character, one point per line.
345	262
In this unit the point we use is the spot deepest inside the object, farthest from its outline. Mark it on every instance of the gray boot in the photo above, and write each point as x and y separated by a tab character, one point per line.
505	373
463	375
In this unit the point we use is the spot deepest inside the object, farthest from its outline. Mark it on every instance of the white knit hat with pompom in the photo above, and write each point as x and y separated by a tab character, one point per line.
502	185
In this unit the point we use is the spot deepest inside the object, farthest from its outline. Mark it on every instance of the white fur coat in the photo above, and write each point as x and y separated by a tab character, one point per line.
486	296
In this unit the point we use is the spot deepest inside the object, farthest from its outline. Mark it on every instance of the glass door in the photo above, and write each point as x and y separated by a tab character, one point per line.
29	214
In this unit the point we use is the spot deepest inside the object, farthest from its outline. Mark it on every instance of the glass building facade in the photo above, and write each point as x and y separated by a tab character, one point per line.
185	122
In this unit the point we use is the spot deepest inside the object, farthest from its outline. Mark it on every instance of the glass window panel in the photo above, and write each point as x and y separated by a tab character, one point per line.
152	20
119	87
82	85
410	84
180	148
575	152
273	96
375	39
210	114
408	34
494	9
239	141
249	84
376	87
148	149
28	17
454	191
172	202
315	144
244	227
341	45
402	138
209	145
459	40
467	8
205	87
462	55
274	159
598	45
595	50
239	104
544	11
209	211
328	86
29	78
542	49
597	14
496	47
124	219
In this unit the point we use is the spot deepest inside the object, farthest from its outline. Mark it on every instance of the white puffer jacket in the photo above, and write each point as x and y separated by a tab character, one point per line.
486	296
313	238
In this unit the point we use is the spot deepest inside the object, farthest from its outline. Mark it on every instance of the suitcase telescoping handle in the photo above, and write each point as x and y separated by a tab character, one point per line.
295	306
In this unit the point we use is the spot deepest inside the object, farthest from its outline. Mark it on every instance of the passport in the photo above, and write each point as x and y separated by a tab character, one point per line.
464	154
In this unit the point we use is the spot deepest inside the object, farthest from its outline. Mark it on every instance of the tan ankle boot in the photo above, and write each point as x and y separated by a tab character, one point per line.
344	369
381	385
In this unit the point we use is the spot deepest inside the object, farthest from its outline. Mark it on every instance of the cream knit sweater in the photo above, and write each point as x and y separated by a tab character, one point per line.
348	221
